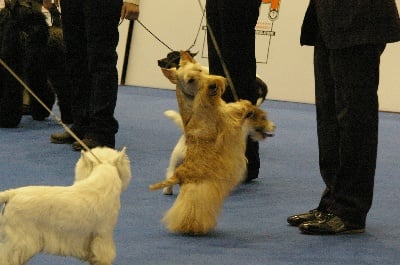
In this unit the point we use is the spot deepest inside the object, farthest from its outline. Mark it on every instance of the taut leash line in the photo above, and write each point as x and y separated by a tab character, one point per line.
4	64
221	59
215	44
152	34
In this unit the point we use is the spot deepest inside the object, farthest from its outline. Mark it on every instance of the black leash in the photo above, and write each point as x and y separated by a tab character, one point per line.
163	43
152	34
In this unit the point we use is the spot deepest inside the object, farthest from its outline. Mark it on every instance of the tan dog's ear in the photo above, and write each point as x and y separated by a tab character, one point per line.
221	84
170	74
186	58
249	114
247	109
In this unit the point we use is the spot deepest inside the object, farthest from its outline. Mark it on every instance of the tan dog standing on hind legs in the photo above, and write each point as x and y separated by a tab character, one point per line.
179	151
215	161
76	220
187	78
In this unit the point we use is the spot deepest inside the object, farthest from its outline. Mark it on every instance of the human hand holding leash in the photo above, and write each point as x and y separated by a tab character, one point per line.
129	11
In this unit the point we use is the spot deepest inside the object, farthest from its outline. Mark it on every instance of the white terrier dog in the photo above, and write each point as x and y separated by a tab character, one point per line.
75	220
179	151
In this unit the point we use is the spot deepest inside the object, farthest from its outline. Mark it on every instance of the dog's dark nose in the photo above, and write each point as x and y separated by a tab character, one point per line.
191	80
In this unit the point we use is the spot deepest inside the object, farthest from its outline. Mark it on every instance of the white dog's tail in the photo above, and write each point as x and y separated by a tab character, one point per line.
5	196
175	117
195	210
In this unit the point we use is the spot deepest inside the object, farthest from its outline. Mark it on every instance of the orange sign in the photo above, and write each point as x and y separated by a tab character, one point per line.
274	3
273	9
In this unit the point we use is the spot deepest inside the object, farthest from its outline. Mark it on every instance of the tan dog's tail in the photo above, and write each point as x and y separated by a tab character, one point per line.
196	209
5	196
175	117
166	183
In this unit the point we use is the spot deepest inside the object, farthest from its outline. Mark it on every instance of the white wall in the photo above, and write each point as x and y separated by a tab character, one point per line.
288	71
121	48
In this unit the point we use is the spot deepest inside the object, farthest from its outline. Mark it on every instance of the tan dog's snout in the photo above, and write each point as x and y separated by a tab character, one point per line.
261	126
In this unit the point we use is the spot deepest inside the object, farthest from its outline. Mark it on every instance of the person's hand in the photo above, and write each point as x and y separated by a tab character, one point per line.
129	11
47	4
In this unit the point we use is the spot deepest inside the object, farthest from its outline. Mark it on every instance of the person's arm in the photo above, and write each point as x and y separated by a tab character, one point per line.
130	9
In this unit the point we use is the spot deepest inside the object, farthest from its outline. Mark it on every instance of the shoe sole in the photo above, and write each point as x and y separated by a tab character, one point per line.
56	141
346	232
296	224
77	148
299	221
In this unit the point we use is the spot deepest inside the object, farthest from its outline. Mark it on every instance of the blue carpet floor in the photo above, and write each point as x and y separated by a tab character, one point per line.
252	229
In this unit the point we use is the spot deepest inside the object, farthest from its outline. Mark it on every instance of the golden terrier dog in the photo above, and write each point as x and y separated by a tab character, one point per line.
214	163
187	78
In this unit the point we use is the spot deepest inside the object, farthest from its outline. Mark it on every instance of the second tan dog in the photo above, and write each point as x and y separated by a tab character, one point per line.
215	161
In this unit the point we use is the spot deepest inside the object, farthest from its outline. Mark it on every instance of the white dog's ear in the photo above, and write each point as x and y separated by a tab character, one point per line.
123	151
82	154
170	73
259	101
122	155
84	157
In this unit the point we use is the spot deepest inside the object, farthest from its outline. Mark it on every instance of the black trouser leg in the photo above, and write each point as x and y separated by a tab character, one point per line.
91	36
102	18
232	23
327	124
347	122
77	74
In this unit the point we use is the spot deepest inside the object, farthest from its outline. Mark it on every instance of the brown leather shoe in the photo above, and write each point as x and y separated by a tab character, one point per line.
297	219
61	138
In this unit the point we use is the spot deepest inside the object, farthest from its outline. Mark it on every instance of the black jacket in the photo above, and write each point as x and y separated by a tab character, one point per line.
352	22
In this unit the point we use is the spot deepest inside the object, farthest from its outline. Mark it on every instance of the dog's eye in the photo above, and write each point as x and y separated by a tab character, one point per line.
249	114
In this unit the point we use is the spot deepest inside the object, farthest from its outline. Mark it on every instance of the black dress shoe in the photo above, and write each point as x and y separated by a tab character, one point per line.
297	219
90	143
329	224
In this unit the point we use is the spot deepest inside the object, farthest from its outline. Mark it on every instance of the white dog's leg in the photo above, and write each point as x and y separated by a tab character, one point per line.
102	251
177	156
16	253
175	117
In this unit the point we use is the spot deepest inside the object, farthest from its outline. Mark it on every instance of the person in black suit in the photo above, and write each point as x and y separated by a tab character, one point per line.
91	37
348	38
232	24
